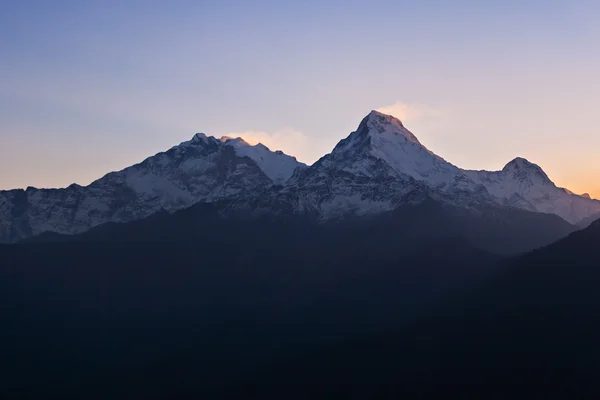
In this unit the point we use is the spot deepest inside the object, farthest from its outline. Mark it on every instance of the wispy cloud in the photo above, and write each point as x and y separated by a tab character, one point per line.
430	124
413	112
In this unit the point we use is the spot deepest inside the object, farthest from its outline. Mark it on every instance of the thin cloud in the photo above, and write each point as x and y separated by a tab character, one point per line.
412	112
432	125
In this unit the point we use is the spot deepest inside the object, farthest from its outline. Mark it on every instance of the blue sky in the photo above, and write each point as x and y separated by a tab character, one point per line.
87	87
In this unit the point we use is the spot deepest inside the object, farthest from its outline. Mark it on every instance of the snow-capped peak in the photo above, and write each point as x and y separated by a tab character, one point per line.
383	138
522	167
385	124
378	131
276	165
519	163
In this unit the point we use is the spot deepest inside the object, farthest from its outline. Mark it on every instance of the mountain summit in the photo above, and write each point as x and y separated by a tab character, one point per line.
381	145
521	167
385	124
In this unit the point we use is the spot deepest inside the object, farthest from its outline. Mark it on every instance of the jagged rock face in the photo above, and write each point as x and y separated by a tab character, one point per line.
203	169
275	164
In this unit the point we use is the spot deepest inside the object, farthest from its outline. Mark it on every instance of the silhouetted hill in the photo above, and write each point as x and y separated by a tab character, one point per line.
188	300
193	299
533	326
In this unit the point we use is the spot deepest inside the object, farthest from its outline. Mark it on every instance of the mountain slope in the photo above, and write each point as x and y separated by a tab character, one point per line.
525	185
491	228
532	326
202	169
584	223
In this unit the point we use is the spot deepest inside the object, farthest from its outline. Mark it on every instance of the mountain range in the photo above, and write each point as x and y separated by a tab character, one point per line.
377	168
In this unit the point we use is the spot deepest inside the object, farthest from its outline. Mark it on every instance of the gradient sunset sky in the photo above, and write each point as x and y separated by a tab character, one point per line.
87	87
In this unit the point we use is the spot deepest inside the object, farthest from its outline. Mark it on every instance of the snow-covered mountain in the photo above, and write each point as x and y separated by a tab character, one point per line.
382	137
202	169
376	168
525	185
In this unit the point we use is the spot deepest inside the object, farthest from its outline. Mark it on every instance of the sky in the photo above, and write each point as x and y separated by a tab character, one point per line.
89	87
